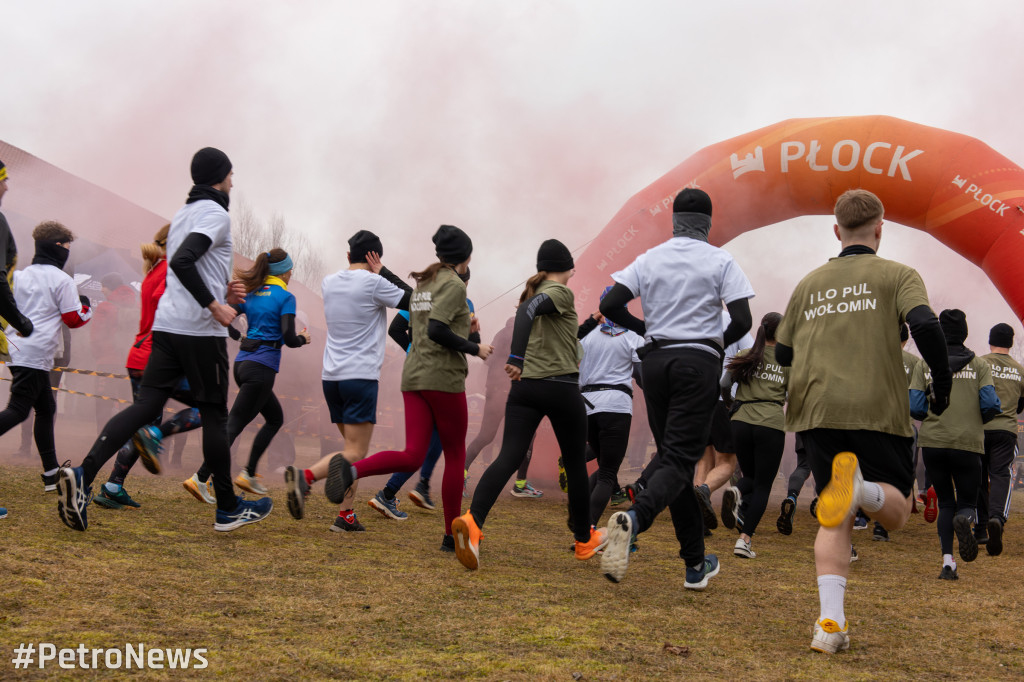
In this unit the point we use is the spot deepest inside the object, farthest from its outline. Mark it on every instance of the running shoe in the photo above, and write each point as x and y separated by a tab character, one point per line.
3	512
814	508
297	490
251	484
731	507
854	556
200	490
448	544
526	491
966	542
339	479
247	511
697	578
860	522
465	483
633	491
880	534
931	505
148	442
785	522
948	573
841	496
994	546
829	637
119	500
73	497
49	482
563	480
467	538
618	537
618	498
347	523
981	534
707	532
704	498
420	495
598	539
742	549
387	508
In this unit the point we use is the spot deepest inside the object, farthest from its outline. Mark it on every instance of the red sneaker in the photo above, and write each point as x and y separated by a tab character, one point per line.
931	506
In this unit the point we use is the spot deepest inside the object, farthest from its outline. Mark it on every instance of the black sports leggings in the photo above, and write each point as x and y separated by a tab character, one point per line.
30	390
759	451
529	401
956	475
608	436
255	396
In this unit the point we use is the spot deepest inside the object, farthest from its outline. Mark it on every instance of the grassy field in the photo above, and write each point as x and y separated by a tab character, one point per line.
285	599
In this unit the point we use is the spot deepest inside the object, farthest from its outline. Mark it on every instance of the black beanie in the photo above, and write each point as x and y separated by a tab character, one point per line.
1001	336
553	256
954	326
692	201
362	243
210	166
452	245
904	332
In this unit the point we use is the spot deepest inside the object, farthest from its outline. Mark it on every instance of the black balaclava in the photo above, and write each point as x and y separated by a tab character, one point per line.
452	245
691	214
362	243
1001	336
554	256
50	253
464	276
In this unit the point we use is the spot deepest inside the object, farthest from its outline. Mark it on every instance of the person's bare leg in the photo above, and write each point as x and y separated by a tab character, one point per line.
357	445
706	463
725	467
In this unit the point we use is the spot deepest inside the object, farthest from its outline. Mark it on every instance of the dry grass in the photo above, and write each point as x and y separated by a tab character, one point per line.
287	599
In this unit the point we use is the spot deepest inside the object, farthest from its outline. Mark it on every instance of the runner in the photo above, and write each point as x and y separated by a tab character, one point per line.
757	426
682	285
433	379
189	341
847	392
954	442
544	370
800	474
355	307
1000	438
269	310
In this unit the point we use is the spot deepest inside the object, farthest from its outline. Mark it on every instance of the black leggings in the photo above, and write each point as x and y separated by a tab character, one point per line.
529	401
801	473
956	475
608	436
31	390
255	396
759	451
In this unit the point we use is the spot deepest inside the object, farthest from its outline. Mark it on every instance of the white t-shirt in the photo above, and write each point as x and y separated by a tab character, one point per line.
43	293
682	284
609	360
178	312
355	303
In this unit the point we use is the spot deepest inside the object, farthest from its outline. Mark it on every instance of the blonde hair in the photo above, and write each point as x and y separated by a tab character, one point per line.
153	251
858	208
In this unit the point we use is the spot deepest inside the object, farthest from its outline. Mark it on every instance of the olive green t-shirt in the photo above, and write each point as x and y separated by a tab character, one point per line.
768	384
909	363
1006	379
843	323
551	350
430	366
959	427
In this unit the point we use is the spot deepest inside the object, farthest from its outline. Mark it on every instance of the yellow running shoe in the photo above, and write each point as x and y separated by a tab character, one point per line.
467	541
841	497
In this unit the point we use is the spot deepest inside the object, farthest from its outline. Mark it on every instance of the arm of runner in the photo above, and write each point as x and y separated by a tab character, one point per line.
397	281
931	343
918	395
183	263
288	335
442	335
739	311
541	304
613	307
589	325
989	403
73	313
400	332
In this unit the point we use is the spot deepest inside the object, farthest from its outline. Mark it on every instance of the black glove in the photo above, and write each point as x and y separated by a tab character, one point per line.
938	396
23	326
234	333
84	301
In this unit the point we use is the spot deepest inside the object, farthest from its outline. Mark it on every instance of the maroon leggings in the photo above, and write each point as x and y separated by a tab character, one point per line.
423	411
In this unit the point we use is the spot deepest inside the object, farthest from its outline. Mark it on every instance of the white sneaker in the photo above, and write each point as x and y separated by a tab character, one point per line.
201	491
615	558
828	638
742	549
251	484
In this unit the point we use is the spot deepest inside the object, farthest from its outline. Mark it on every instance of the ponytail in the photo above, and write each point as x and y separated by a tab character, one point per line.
429	273
154	250
744	367
531	286
254	277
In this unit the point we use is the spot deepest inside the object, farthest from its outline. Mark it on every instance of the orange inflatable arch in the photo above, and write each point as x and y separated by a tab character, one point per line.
951	186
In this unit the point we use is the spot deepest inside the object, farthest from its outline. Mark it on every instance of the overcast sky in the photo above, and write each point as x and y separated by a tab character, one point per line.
517	121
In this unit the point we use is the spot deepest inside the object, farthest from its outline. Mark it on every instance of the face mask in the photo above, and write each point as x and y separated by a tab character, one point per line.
464	276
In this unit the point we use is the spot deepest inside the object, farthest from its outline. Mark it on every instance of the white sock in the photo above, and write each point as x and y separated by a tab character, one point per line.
872	497
947	560
50	472
831	594
112	487
355	474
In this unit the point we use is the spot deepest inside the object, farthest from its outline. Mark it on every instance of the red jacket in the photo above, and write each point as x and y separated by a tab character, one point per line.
152	289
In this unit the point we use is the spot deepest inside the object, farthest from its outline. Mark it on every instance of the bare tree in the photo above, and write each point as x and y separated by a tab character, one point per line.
253	236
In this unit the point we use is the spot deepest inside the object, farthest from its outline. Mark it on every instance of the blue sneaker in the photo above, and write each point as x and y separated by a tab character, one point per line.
3	512
72	497
697	578
147	442
247	511
387	508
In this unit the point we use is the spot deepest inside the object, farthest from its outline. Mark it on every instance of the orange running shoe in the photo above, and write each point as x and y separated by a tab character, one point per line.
467	541
598	539
931	505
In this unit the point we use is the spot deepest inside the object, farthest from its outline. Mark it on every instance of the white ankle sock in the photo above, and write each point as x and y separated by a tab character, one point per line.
947	560
355	474
51	472
831	594
112	487
872	497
